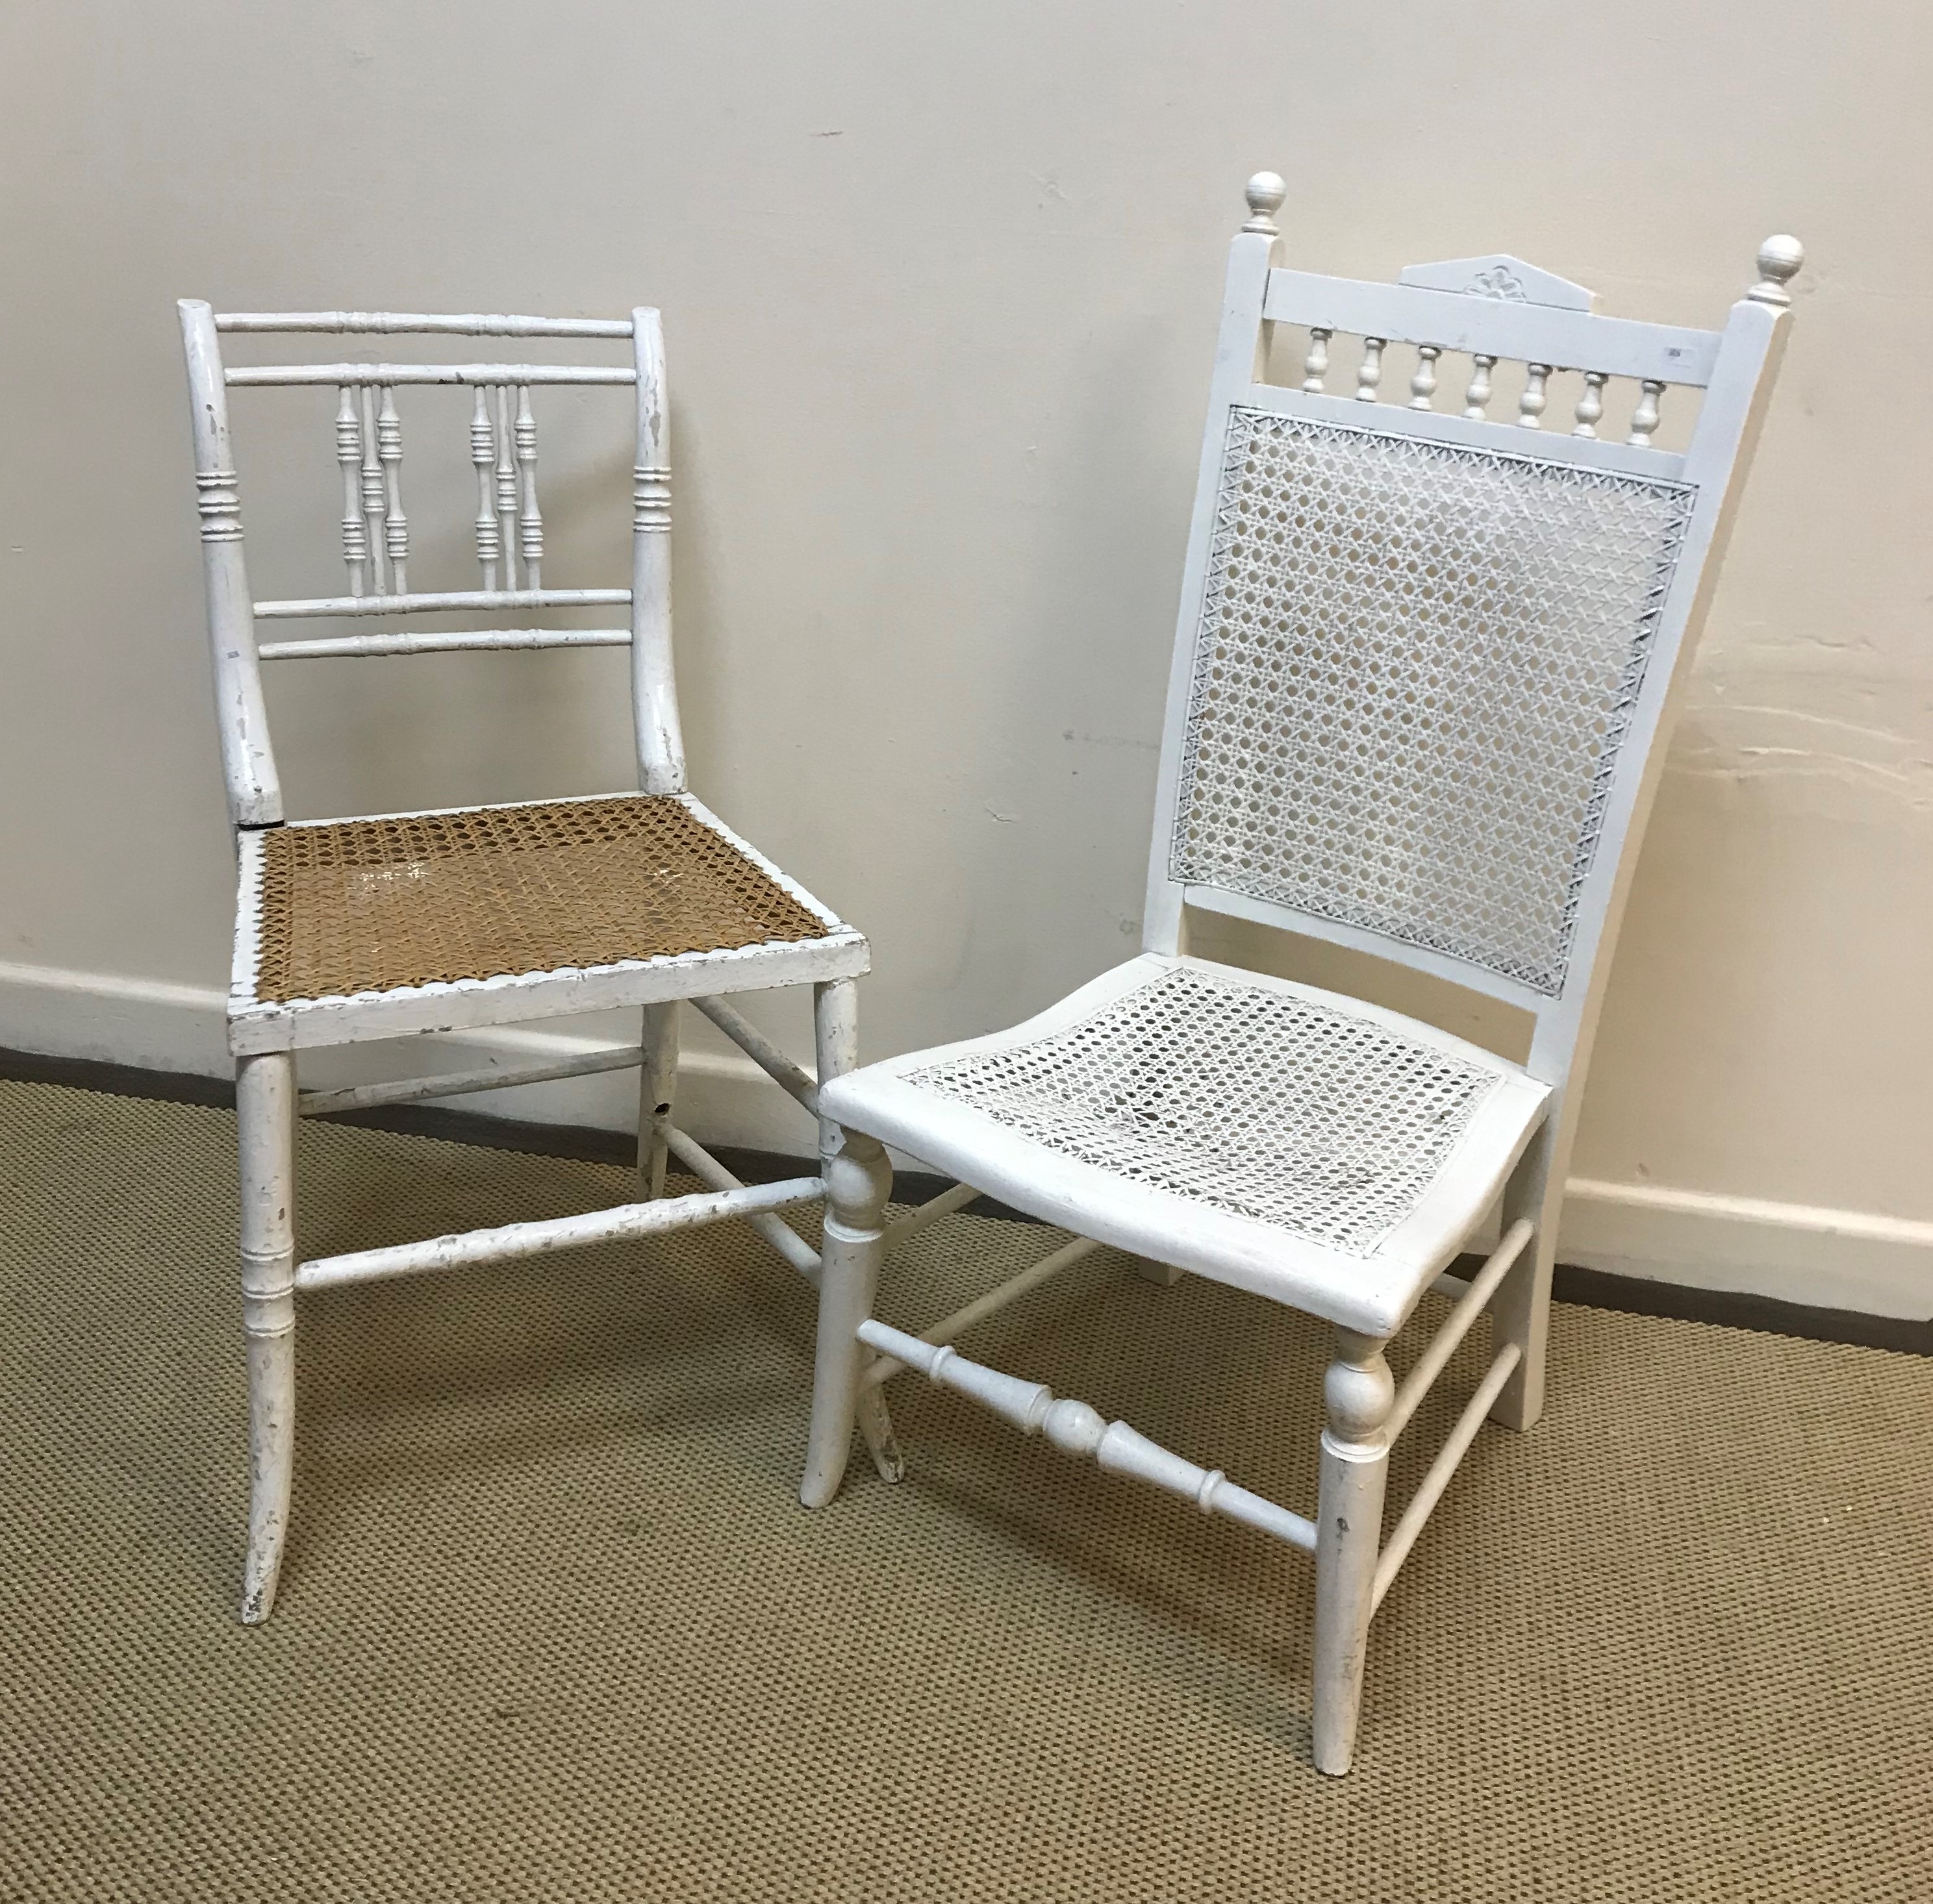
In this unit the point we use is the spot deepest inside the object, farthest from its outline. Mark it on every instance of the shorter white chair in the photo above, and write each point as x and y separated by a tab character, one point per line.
403	923
1424	666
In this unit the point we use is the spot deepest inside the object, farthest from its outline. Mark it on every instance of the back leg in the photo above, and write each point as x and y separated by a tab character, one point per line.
1520	1310
658	1081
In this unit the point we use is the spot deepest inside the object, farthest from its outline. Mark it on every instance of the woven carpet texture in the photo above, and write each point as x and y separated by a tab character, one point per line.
553	1626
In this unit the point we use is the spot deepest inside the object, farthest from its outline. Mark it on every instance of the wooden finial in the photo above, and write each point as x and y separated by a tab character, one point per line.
1779	258
1266	191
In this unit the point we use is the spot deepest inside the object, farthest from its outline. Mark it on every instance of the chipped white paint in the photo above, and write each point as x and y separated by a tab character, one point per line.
264	1034
550	1234
654	688
482	640
459	1084
329	606
495	377
265	1102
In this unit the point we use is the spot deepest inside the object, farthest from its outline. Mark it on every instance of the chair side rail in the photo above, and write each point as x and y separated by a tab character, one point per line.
1430	1491
773	1228
1455	1325
542	1238
996	1299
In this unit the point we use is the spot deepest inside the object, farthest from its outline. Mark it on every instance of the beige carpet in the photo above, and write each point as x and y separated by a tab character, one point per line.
552	1626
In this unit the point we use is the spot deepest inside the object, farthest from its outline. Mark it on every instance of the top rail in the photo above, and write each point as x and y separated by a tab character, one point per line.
493	376
1452	321
393	323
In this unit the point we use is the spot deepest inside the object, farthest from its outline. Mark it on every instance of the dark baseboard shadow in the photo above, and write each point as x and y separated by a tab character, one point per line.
1594	1289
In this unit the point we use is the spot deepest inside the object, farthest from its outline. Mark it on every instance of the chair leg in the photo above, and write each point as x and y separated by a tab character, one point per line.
876	1425
859	1178
265	1102
1357	1393
1163	1275
1520	1310
657	1080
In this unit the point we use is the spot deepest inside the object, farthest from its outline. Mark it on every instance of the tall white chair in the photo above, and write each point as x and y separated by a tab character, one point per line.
378	928
1426	662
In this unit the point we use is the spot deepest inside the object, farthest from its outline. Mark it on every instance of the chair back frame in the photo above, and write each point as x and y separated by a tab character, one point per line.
1498	309
509	530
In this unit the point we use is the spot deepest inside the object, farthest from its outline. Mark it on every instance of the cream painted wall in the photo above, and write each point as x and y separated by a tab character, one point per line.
940	286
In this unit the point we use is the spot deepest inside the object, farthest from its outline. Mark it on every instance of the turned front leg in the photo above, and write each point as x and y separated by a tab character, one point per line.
1358	1392
265	1104
859	1180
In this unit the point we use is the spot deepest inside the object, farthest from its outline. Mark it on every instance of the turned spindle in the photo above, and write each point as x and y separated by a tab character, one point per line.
1315	365
1477	398
348	455
1530	405
1369	371
1590	404
483	454
373	508
1644	418
506	487
531	541
396	527
1423	384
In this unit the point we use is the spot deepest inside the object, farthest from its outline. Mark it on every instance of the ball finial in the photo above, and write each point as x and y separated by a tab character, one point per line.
1779	258
1266	192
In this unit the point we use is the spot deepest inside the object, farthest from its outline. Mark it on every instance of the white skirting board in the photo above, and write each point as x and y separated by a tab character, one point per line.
1852	1259
1875	1265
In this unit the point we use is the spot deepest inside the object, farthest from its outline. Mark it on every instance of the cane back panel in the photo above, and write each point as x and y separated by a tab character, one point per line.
1414	670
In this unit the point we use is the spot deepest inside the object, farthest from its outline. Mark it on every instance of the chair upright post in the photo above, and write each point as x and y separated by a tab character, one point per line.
653	686
248	758
859	1180
265	1106
1357	1394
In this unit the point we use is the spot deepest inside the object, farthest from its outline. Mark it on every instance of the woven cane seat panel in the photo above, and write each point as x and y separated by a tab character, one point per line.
367	905
1416	666
1251	1101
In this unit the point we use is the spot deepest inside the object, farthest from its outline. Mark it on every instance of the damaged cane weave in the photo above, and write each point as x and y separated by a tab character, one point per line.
368	905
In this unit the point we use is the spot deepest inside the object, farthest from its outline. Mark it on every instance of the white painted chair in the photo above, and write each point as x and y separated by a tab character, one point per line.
1425	663
355	929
